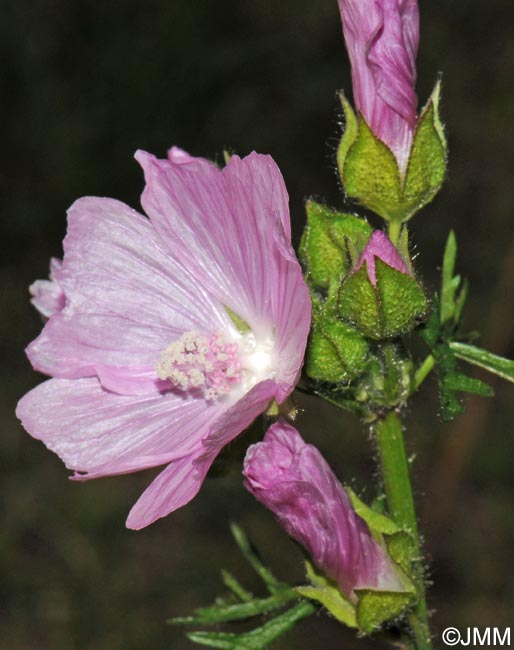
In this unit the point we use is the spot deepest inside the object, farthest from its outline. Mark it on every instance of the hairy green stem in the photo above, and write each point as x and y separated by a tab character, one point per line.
394	230
400	500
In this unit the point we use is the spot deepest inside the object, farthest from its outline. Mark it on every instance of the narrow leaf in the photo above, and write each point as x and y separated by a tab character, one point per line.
251	556
448	288
460	301
465	384
235	587
237	611
259	638
492	362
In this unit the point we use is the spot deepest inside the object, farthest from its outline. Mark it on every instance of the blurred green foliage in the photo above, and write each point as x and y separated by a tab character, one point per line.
84	85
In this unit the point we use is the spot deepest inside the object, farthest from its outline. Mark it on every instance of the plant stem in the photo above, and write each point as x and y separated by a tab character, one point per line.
394	229
398	489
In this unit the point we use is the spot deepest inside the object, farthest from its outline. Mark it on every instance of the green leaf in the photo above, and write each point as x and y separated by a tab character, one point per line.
336	352
492	362
324	249
327	593
375	607
222	613
460	301
448	288
391	308
427	162
450	378
257	639
459	381
235	587
251	556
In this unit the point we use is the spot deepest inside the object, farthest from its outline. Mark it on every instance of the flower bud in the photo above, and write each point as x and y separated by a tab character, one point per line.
293	480
382	39
390	160
380	297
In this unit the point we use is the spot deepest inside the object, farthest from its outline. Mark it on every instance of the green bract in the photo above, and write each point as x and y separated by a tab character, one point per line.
336	352
329	239
370	173
371	607
391	308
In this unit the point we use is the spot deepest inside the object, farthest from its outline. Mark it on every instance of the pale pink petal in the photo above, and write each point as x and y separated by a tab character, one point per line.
179	156
291	308
173	488
97	432
181	480
222	225
47	295
218	238
127	298
239	416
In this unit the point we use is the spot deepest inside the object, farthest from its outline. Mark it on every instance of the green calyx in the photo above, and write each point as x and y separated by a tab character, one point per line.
392	307
367	609
330	242
370	173
336	352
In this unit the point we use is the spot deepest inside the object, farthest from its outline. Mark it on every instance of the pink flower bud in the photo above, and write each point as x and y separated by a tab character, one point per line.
380	246
382	41
293	480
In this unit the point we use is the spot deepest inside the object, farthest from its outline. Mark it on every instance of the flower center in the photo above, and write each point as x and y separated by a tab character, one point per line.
214	365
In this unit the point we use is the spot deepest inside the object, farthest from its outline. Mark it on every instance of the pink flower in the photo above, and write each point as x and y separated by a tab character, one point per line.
294	481
147	365
382	39
47	295
380	246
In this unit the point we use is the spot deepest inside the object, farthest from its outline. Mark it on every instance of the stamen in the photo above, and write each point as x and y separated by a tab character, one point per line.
214	365
195	361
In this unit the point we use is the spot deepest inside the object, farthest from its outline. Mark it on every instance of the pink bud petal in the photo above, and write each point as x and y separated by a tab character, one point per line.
382	40
380	246
294	481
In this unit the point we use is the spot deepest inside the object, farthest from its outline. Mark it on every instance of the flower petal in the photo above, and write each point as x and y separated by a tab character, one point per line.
291	308
99	433
239	416
127	299
173	488
181	480
47	295
222	225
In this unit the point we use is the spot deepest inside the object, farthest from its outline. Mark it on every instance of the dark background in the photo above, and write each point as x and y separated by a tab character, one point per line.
84	84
